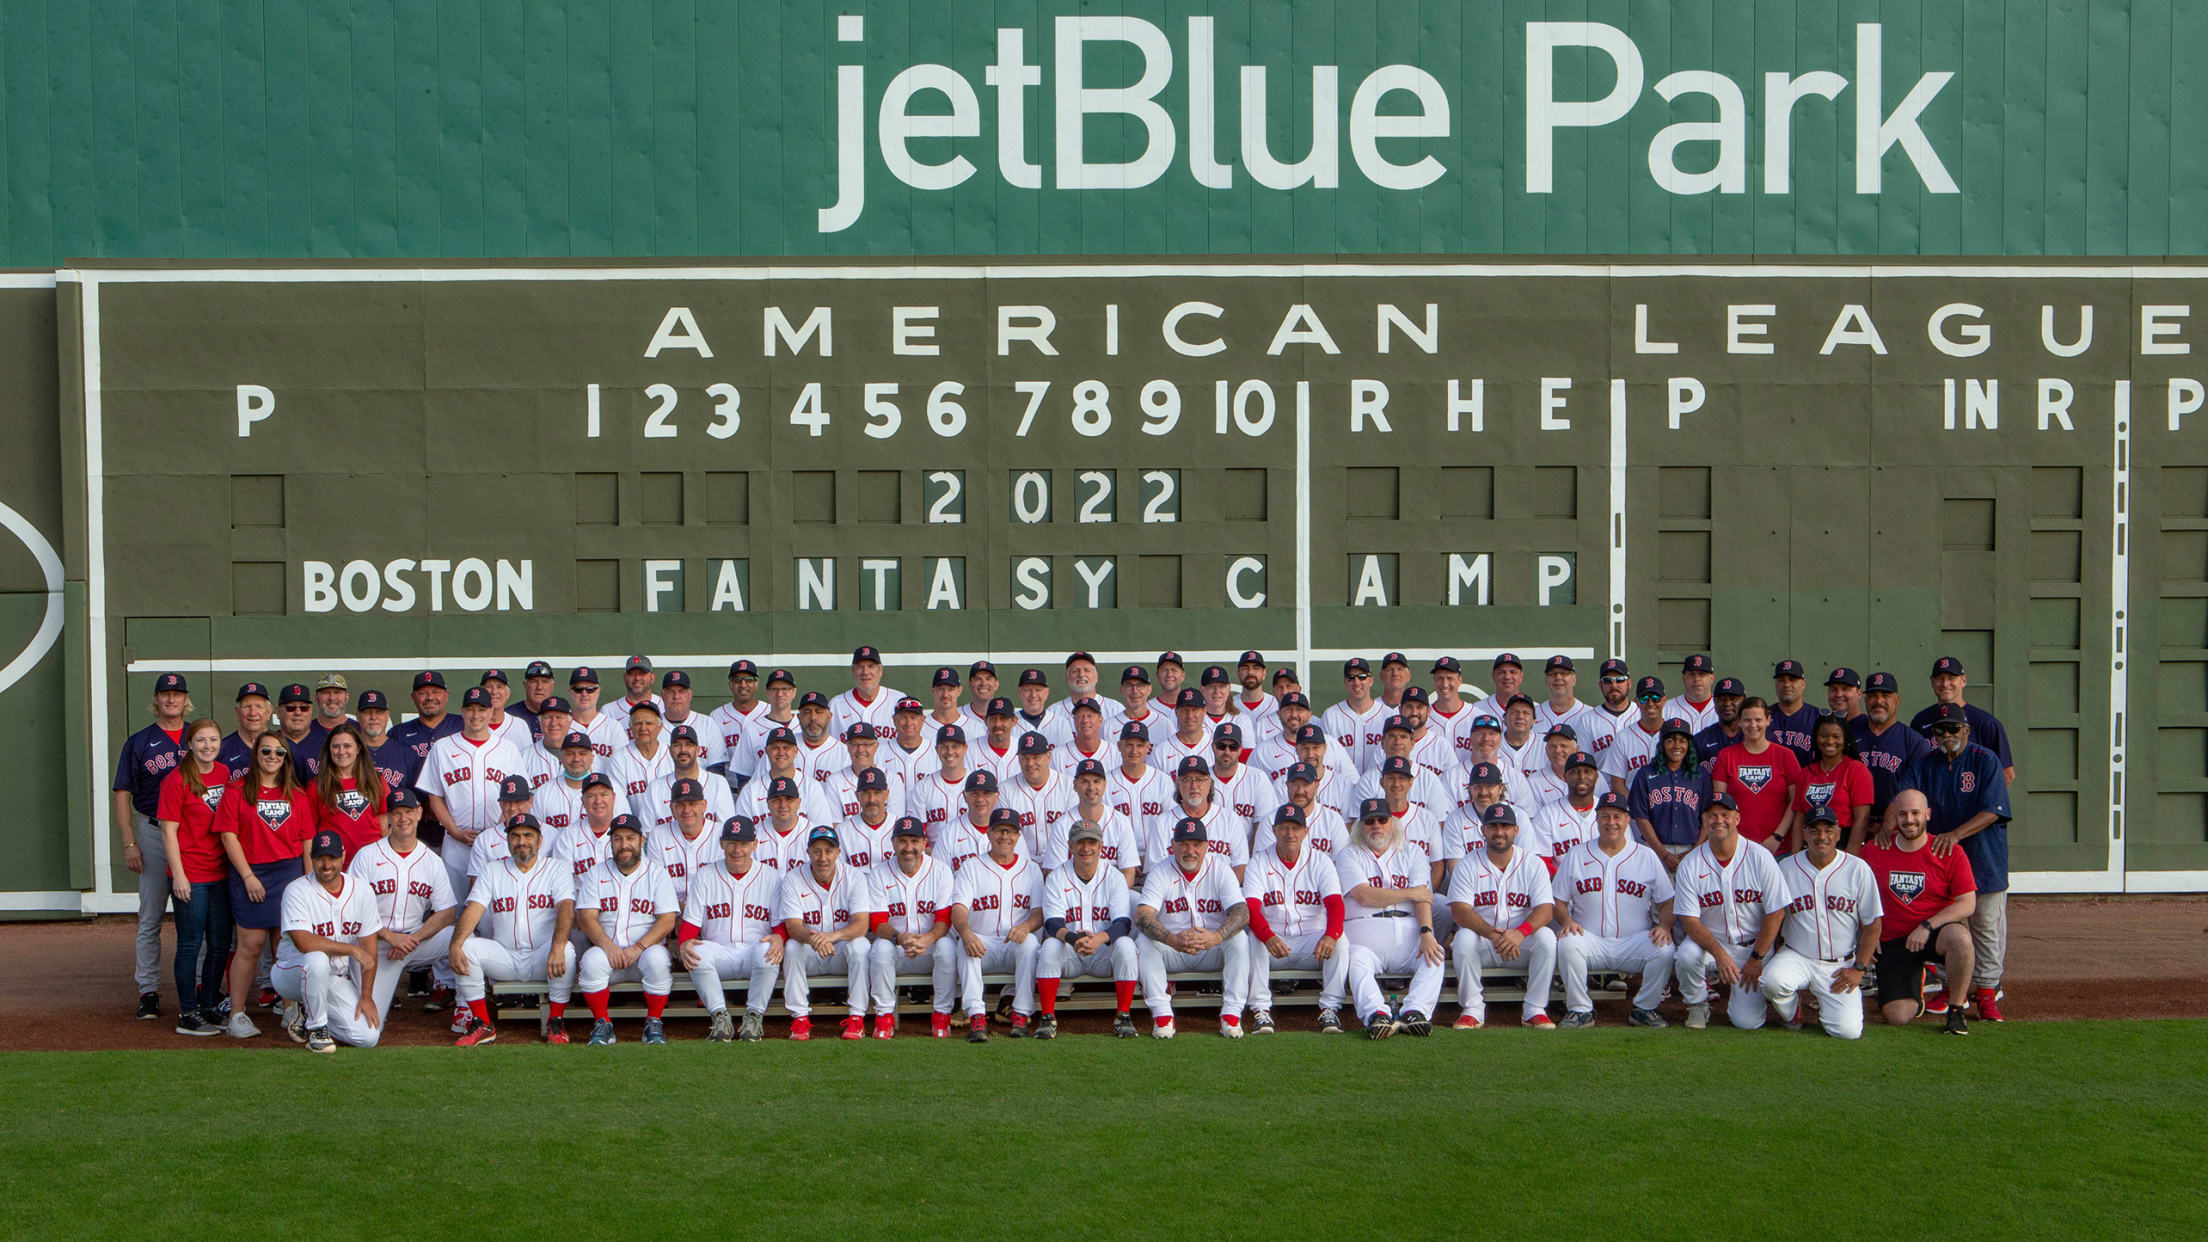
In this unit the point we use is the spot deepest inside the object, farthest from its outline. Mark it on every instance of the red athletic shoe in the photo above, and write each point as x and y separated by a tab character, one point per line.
556	1033
854	1028
885	1026
1466	1022
1019	1026
1935	1003
801	1028
1540	1022
269	1000
939	1026
479	1032
1989	1005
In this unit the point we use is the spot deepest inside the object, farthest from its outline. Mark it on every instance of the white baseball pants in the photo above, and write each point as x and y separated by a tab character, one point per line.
1000	955
437	949
1536	959
1389	946
1332	972
330	993
1690	966
1117	961
718	962
885	961
1635	954
653	968
488	959
1230	957
455	857
800	961
1788	973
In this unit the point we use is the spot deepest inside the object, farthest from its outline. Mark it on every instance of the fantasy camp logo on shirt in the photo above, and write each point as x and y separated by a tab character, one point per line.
273	811
1754	778
352	801
1906	884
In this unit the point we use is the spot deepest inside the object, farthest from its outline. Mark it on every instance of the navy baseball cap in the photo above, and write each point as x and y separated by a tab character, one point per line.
1732	686
1561	730
783	787
812	698
1414	694
1947	666
1135	672
584	675
294	693
1303	772
475	696
1286	672
1678	726
253	688
742	668
1001	706
1394	657
1515	700
1187	698
1559	664
430	678
646	706
780	735
981	666
1946	715
1509	659
169	681
400	797
638	664
859	730
554	703
524	820
1649	690
739	828
1132	731
1499	813
1448	664
1483	773
1697	664
1310	734
872	779
597	780
1088	767
1395	765
1372	809
981	782
1214	675
1787	668
1355	665
823	833
1226	735
950	733
1881	683
576	739
493	674
683	733
1613	668
1189	829
1610	802
1289	813
686	790
863	654
626	822
1191	765
537	668
1581	759
373	701
1076	657
327	844
1004	817
907	826
1396	724
1033	677
1843	676
946	676
1822	814
674	677
783	675
909	704
1086	704
1296	698
1721	800
1172	658
514	789
1250	657
1486	722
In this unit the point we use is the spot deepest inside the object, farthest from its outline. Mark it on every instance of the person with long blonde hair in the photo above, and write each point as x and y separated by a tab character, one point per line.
265	820
198	876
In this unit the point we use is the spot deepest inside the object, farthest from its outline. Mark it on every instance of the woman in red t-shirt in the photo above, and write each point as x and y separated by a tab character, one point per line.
1764	779
348	791
1837	779
198	875
264	820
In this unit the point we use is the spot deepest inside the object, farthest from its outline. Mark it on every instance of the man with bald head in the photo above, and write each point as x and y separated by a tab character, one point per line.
1929	898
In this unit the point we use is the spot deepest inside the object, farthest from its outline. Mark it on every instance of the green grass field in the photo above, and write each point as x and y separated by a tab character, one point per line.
2051	1129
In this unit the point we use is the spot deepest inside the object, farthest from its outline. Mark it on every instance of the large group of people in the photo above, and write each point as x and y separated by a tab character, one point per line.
1209	822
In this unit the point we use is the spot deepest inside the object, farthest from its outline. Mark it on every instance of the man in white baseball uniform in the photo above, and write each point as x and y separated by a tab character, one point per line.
819	750
996	913
966	834
636	680
677	694
1388	896
940	796
1041	795
1730	899
863	833
588	842
841	787
1694	705
689	764
1613	912
824	907
1191	735
1088	930
1569	820
911	922
558	800
728	932
690	841
1356	721
779	755
1507	676
1191	915
1136	707
628	908
1085	727
1256	708
1324	830
1484	738
996	751
981	691
1081	683
1501	902
514	798
868	701
326	961
1247	792
1225	834
1135	788
1831	930
460	779
1635	741
908	756
530	904
1121	849
414	900
1296	916
645	759
735	720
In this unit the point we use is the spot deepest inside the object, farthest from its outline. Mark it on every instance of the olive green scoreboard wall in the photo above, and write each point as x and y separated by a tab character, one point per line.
290	471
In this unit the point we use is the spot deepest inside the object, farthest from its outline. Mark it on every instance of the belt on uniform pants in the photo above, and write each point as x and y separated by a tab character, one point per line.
1390	914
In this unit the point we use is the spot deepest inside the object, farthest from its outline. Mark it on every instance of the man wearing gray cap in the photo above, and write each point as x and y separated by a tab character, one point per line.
1088	929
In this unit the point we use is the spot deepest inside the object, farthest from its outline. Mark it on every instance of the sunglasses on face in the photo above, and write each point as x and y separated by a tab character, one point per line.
270	754
1358	677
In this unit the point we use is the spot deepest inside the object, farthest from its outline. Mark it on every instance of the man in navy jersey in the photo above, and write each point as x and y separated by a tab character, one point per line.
536	687
393	759
1725	702
1969	795
1884	744
1793	720
431	722
1948	683
147	759
253	711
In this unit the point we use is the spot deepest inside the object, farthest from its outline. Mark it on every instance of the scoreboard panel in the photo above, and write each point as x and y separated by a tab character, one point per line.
468	467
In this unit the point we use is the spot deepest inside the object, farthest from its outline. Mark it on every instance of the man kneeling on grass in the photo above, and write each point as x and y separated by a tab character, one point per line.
1929	900
326	962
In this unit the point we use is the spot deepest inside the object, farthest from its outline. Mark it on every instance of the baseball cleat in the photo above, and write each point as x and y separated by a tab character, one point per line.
1123	1026
1540	1022
1414	1023
1162	1029
1698	1017
939	1026
1646	1017
1957	1024
754	1027
318	1040
461	1016
885	1026
801	1029
854	1027
1466	1022
655	1031
439	998
1379	1026
268	999
1046	1026
189	1023
1935	1003
723	1028
477	1033
295	1022
149	1006
556	1033
1230	1030
1989	1005
1330	1022
1019	1026
241	1027
977	1029
1261	1022
601	1034
1575	1019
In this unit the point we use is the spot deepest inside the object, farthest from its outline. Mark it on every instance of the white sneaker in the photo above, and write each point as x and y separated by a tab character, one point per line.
1698	1017
295	1022
1232	1030
241	1027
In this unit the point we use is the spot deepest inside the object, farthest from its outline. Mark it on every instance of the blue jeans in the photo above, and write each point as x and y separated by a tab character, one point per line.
202	922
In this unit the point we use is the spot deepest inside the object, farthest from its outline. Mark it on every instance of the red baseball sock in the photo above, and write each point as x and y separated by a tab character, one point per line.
597	1001
1123	990
1231	1019
481	1009
1046	991
559	1010
654	1005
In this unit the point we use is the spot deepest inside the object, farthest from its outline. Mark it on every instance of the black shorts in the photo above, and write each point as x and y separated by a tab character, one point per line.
1901	971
